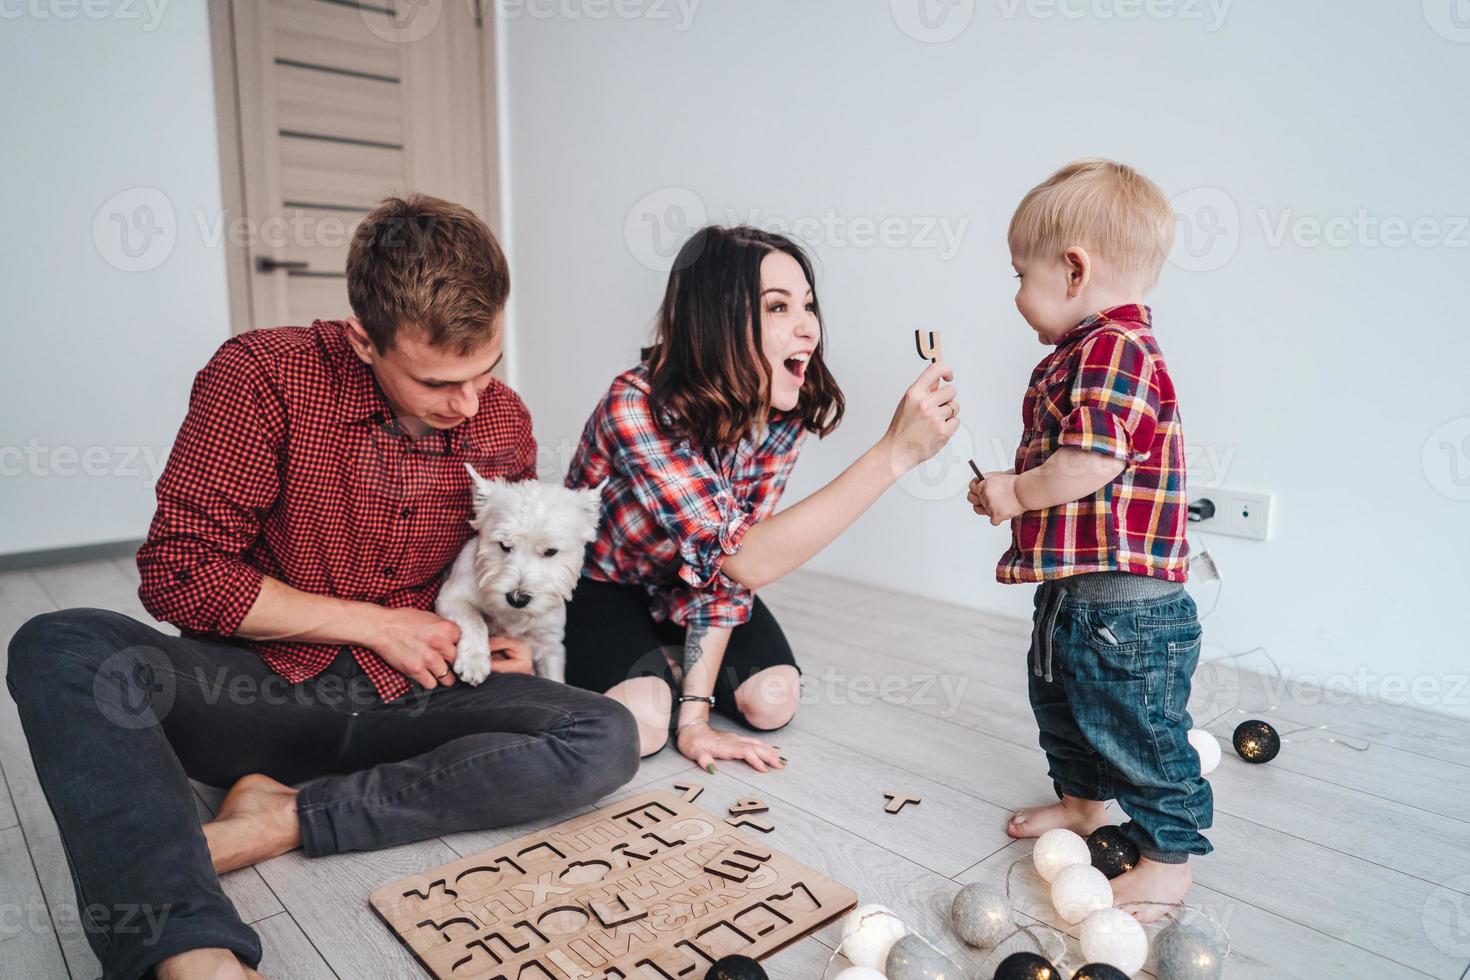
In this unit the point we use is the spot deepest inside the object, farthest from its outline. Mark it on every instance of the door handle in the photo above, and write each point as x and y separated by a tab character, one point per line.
265	263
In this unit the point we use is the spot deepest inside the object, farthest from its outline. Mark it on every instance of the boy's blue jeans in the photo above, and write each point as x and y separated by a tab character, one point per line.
1111	661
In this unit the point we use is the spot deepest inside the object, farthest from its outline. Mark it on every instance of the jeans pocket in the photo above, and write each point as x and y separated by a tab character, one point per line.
1181	659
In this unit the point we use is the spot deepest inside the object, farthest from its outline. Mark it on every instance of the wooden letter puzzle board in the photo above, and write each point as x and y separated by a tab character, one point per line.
652	888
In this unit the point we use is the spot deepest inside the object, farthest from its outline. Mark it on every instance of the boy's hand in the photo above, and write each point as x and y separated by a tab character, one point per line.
995	497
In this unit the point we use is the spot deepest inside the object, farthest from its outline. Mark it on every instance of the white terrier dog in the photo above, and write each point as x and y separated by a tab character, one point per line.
519	571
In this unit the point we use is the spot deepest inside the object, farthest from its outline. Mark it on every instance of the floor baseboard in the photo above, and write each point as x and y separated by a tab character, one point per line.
18	560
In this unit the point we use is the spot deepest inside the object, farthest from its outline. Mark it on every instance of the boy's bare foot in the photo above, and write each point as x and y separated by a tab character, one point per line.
256	821
1077	815
1152	881
205	964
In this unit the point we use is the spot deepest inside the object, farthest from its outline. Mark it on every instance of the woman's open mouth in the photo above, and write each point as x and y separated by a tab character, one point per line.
796	366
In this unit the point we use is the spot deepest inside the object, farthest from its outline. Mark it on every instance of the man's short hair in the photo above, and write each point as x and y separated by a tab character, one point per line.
1106	207
421	262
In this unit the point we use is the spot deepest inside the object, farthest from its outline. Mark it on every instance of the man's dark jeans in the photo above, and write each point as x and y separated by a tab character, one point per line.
1110	690
117	715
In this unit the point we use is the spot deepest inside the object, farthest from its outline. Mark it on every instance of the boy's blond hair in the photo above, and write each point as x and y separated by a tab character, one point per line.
1106	207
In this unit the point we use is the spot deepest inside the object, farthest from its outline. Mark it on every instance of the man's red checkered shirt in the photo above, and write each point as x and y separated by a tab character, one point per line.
291	463
672	513
1105	389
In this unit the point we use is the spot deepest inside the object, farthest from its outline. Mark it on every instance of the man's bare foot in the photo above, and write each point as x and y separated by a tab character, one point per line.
1152	881
1077	815
205	964
256	821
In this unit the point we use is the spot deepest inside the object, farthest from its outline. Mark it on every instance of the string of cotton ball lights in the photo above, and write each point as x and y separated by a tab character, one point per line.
868	934
880	947
1184	952
1113	945
1255	741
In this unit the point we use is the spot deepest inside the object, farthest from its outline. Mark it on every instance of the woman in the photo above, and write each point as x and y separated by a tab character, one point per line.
695	445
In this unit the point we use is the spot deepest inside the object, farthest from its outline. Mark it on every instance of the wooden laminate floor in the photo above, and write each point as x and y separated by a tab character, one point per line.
1329	863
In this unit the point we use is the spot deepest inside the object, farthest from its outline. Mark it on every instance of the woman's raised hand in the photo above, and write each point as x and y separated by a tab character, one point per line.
925	420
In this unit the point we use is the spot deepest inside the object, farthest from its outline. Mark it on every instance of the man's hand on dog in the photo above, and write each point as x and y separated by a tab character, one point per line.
422	646
416	643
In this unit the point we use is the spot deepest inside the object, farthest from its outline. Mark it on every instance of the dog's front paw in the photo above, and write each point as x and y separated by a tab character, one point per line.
472	665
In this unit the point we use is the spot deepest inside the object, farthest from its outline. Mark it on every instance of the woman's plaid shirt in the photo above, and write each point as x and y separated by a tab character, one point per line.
671	513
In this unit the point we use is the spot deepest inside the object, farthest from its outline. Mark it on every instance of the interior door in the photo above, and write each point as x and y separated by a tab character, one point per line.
338	105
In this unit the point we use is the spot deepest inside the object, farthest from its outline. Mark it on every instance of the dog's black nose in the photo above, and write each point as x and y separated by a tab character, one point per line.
518	600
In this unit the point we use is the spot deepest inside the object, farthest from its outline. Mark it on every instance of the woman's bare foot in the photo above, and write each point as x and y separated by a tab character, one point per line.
1077	815
1152	881
256	821
205	964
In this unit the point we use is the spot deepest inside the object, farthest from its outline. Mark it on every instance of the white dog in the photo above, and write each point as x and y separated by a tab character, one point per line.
519	571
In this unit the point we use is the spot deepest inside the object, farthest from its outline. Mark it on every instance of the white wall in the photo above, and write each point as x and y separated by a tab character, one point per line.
1317	373
98	359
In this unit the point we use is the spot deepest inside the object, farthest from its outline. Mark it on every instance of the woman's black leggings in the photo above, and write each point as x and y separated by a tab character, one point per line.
611	637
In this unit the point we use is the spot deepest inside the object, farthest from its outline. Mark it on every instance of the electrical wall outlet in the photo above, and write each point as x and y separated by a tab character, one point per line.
1240	513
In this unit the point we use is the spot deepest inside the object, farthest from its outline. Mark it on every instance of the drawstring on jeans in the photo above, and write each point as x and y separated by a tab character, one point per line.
1041	644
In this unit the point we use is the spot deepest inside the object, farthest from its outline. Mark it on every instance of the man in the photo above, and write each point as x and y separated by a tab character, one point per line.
314	497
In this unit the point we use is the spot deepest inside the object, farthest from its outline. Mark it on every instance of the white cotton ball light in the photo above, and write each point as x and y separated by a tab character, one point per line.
1208	747
868	933
1080	890
860	973
1057	849
1114	937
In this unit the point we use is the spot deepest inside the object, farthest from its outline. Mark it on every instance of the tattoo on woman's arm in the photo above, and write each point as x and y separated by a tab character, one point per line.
694	647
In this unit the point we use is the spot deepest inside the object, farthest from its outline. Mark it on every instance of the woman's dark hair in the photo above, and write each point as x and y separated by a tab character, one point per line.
708	373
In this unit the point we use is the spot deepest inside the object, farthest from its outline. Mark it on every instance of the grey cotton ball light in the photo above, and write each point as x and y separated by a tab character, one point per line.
982	916
1185	953
912	958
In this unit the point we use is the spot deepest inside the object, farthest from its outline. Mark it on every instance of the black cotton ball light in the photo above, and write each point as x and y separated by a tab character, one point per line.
1256	741
1112	853
1099	971
1026	966
735	967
